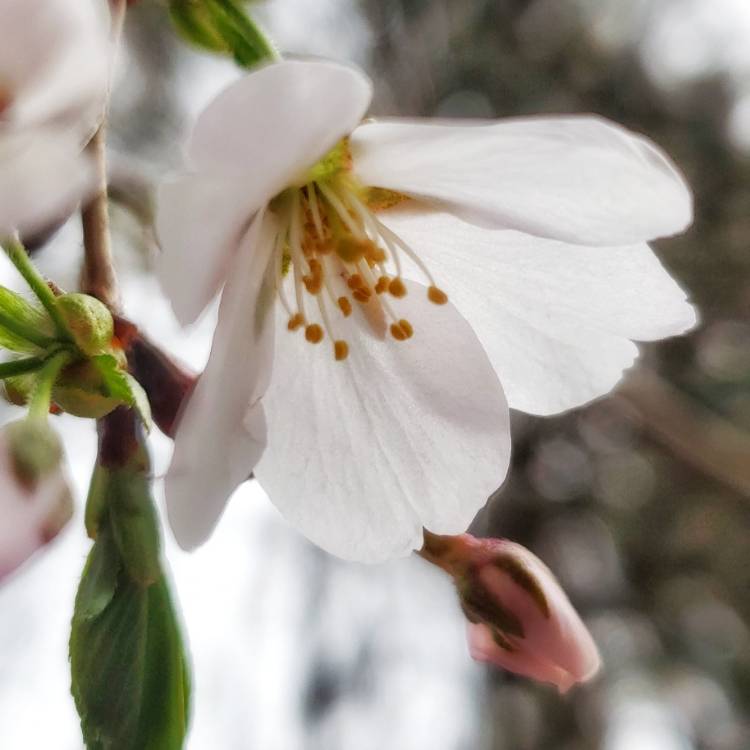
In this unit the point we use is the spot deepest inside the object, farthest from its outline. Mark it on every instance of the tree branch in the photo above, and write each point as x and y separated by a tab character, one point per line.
698	436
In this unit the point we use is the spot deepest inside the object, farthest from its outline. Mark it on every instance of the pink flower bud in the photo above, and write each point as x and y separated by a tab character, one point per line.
35	502
520	618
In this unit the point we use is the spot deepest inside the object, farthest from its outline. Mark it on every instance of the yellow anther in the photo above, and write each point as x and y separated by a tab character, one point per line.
314	281
397	288
350	250
437	296
406	327
296	321
382	284
375	254
314	333
326	247
345	306
355	281
398	332
340	350
316	269
312	284
362	295
378	199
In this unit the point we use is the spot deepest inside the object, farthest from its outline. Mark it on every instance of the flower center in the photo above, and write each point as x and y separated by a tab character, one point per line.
339	254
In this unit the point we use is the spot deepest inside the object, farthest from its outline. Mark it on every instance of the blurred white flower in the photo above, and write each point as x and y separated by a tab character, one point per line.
535	229
53	73
35	500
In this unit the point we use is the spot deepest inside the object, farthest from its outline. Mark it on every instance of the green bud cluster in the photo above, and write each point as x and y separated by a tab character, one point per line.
93	380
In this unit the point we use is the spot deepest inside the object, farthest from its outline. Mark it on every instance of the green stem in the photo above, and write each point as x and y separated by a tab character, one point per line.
20	367
20	259
41	398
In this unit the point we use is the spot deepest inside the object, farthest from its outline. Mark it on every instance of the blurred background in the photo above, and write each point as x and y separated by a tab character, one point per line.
640	503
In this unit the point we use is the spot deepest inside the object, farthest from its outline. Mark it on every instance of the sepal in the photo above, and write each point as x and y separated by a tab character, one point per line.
24	328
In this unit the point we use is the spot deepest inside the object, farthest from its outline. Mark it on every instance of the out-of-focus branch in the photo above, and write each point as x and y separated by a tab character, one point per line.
98	277
695	434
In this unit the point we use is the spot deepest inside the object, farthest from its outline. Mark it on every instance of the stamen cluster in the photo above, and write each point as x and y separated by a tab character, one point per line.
338	252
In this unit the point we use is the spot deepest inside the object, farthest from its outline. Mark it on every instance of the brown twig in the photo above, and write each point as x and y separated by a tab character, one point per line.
695	434
98	277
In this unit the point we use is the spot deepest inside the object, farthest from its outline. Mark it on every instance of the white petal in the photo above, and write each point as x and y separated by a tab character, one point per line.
30	518
279	120
555	319
199	222
363	453
42	177
55	64
248	145
214	450
578	179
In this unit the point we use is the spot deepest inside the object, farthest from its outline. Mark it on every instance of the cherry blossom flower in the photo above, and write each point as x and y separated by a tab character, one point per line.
53	71
36	502
382	279
520	619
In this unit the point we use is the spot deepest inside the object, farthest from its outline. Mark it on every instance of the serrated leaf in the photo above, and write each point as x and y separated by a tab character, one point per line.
124	387
19	320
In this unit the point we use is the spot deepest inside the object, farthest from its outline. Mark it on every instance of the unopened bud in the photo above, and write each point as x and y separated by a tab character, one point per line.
35	501
519	617
81	391
89	321
34	450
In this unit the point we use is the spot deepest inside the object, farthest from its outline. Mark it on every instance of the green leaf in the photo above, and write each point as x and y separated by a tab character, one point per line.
222	26
23	327
124	387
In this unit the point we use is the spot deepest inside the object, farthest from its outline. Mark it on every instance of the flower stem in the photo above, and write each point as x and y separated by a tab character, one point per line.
20	259
41	398
20	367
